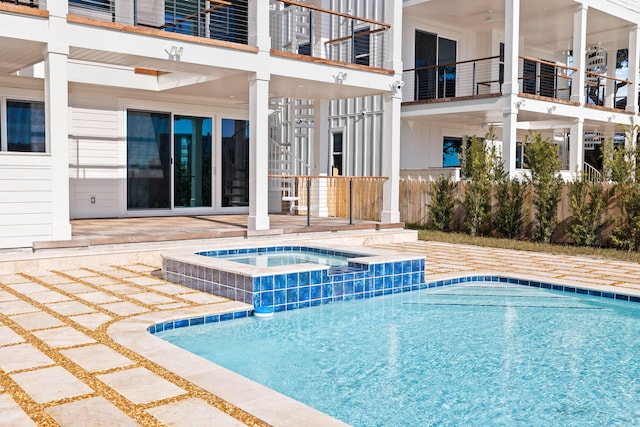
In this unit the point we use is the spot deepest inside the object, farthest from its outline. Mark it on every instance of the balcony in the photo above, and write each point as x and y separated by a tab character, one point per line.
605	91
474	78
484	77
305	31
223	20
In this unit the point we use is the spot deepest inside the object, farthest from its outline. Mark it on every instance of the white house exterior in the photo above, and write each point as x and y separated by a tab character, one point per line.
559	67
115	108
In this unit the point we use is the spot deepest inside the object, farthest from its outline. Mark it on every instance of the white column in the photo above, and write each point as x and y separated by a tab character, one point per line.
391	117
321	137
511	46
579	52
634	64
610	87
259	34
509	139
576	146
57	134
510	87
259	152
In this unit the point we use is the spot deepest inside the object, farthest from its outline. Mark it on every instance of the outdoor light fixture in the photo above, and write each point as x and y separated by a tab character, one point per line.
340	77
174	52
396	86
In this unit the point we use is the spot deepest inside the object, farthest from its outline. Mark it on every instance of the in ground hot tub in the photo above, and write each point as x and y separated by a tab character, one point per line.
292	277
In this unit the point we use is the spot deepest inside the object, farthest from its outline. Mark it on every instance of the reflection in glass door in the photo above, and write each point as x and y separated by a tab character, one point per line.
191	161
235	162
148	160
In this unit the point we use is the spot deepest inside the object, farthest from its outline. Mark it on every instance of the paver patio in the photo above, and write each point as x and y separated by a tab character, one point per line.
59	363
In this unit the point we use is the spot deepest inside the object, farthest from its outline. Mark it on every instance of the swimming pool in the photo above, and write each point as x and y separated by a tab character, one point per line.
470	354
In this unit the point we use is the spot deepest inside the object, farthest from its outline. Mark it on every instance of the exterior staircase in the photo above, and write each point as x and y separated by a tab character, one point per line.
290	146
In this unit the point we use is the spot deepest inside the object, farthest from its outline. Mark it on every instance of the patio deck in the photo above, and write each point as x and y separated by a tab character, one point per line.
109	231
73	340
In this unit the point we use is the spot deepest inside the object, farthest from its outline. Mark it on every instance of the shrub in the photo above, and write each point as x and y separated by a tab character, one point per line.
476	168
508	218
541	156
587	206
441	208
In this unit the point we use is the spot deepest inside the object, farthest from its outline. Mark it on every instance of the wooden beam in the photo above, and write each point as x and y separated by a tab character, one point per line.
333	12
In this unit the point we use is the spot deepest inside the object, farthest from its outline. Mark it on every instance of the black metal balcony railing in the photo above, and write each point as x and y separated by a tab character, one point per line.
484	77
304	29
605	91
544	78
475	77
38	4
225	20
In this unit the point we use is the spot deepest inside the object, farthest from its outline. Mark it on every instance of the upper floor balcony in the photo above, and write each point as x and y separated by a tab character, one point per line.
297	29
484	77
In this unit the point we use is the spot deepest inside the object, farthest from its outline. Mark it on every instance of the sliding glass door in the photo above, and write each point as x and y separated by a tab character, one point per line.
162	175
148	160
192	171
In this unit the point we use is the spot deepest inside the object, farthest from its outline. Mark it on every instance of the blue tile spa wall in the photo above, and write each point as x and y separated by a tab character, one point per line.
289	291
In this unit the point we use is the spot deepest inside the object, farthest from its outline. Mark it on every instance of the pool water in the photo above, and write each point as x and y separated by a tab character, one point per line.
474	354
274	259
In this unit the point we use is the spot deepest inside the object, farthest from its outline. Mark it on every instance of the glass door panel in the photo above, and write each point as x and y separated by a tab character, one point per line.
148	160
235	162
191	161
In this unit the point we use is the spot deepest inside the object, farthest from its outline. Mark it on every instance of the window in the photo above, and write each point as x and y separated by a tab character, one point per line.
361	42
25	126
337	154
451	151
435	74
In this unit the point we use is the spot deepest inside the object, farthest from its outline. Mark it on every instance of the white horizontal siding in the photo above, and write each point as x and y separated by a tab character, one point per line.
25	199
95	149
108	198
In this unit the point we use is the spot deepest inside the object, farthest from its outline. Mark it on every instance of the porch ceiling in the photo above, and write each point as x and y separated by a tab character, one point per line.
18	54
223	84
526	119
544	23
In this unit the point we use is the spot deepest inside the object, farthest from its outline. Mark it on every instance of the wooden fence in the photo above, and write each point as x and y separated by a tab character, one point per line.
332	195
415	198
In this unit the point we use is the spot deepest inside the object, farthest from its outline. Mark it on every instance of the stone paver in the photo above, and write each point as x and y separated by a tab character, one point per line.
27	288
22	356
98	297
16	307
69	308
63	337
48	296
47	384
198	412
140	385
94	412
7	336
75	288
12	415
92	321
96	357
124	308
37	320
